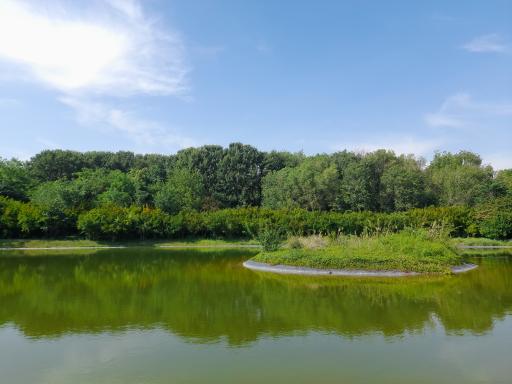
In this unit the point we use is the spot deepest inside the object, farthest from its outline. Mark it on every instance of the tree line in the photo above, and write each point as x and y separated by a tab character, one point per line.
59	185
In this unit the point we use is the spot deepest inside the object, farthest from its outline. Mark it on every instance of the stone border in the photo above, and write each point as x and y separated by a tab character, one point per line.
292	270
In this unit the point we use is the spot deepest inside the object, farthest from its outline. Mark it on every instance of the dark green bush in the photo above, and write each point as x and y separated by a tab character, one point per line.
270	238
495	218
497	227
18	219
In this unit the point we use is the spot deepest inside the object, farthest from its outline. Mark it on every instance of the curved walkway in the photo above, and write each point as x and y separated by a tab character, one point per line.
288	269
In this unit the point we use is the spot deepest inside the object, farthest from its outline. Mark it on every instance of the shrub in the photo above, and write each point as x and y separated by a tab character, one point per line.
308	242
497	227
270	239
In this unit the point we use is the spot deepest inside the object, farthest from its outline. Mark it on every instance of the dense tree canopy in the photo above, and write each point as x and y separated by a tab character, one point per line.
213	177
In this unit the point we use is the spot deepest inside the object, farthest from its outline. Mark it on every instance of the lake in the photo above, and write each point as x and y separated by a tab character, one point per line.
146	315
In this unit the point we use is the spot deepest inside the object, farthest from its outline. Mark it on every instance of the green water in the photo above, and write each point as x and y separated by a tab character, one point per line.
169	316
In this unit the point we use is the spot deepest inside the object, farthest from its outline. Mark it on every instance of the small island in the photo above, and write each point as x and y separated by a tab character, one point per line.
407	253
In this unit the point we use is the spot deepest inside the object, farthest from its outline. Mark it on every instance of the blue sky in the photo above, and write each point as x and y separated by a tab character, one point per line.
317	76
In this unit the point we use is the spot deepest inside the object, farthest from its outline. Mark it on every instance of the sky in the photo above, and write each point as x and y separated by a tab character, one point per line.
156	76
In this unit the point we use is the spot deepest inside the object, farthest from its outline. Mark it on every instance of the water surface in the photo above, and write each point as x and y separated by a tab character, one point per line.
189	316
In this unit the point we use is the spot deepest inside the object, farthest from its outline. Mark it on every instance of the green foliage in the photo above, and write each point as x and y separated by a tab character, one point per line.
346	192
270	238
239	176
504	181
9	210
205	161
403	185
460	179
409	251
497	227
53	200
15	180
120	192
114	223
495	218
312	185
182	191
50	165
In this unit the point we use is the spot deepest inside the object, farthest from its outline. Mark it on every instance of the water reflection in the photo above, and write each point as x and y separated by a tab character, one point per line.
206	296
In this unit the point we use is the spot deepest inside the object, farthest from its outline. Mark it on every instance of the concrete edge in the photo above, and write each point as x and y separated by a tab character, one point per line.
291	270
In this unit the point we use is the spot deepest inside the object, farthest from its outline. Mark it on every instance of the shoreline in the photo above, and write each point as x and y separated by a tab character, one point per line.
294	270
220	246
484	246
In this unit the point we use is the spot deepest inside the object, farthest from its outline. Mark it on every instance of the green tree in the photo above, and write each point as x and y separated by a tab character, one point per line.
120	192
403	185
239	176
15	180
312	185
183	190
54	202
205	161
276	160
504	180
56	164
460	179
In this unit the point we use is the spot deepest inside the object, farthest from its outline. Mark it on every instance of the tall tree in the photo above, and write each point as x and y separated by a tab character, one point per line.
460	179
15	179
56	164
183	190
239	176
312	185
403	185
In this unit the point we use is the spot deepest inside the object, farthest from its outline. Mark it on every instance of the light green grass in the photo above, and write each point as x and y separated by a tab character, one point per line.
409	251
79	243
480	241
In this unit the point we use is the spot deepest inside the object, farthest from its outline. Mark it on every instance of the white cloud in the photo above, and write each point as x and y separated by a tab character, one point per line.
130	8
461	110
400	145
116	51
493	43
109	49
143	132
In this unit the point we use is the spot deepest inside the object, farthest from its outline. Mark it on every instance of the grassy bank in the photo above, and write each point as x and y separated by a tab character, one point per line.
408	251
84	243
480	241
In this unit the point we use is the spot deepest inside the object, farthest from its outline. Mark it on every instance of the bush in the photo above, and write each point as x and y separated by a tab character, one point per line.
270	239
19	219
498	227
9	217
495	218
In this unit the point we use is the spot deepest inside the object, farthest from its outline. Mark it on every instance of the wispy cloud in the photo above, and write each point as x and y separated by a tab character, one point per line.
491	43
143	132
110	49
115	50
461	110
